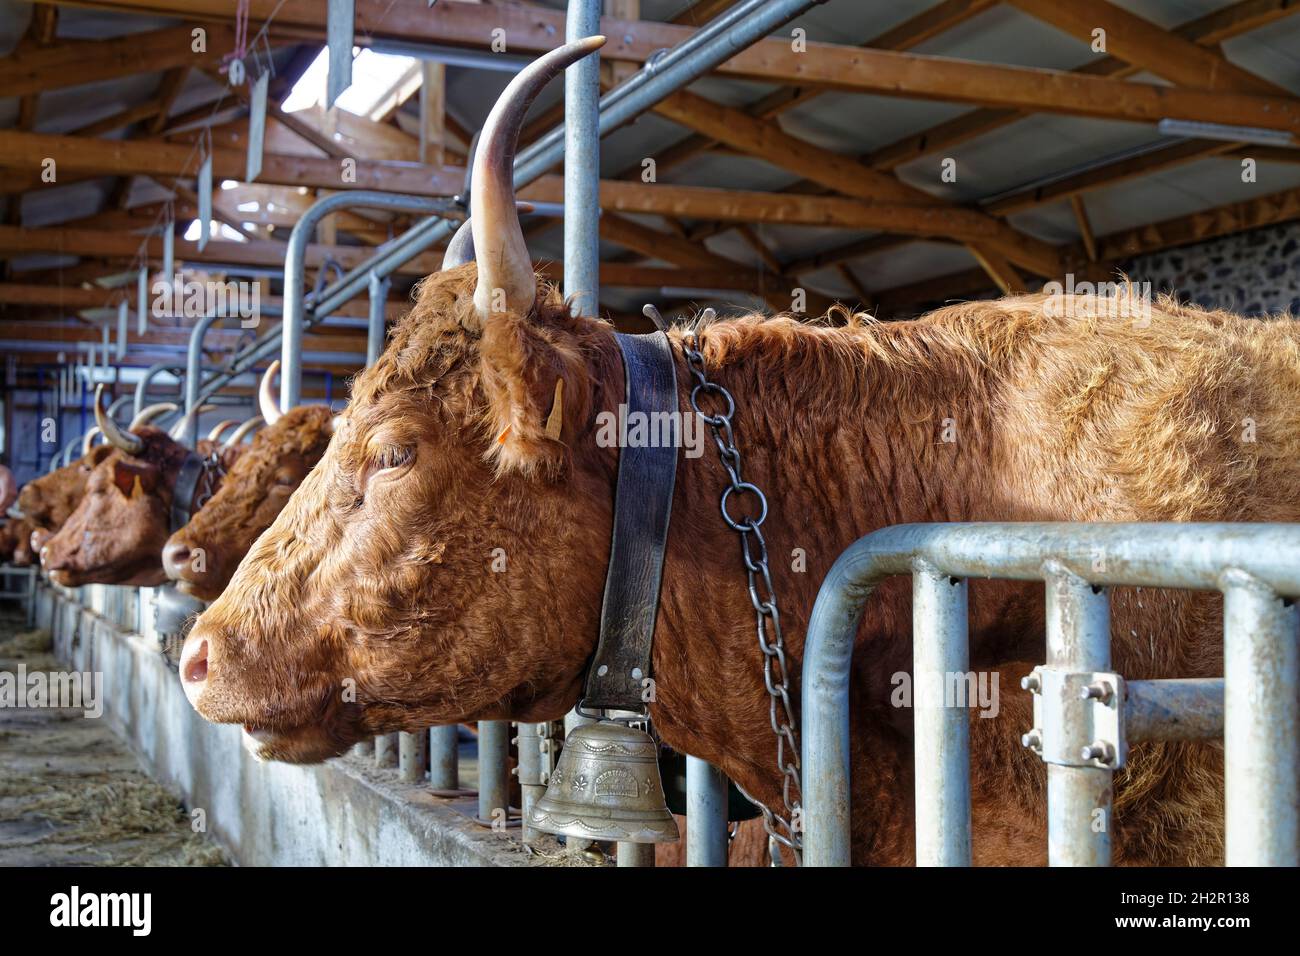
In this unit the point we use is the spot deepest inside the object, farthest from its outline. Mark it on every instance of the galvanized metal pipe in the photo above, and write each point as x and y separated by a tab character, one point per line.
1078	798
193	377
375	326
706	814
582	163
941	727
1191	555
493	770
528	744
444	765
1261	748
713	44
1180	709
386	750
412	755
142	386
291	324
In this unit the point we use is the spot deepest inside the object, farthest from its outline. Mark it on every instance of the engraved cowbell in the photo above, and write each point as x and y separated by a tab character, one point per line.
606	786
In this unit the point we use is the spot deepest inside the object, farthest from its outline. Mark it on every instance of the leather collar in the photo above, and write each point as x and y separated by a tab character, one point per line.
188	495
642	508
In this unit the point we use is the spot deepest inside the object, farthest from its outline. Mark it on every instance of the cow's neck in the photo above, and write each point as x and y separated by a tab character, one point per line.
843	436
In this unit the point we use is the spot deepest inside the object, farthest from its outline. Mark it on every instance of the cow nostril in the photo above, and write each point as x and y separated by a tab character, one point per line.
194	668
176	559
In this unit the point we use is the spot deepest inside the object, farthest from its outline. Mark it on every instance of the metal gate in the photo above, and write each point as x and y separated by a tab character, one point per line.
1084	714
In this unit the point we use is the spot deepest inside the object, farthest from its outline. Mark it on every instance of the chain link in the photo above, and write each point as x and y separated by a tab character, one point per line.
781	828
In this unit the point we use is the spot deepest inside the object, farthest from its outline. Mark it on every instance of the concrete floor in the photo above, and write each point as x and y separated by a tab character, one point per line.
71	794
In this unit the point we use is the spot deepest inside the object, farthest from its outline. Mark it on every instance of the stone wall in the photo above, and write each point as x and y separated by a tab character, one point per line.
1251	273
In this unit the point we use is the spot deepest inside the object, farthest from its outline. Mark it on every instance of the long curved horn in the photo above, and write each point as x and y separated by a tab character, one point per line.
461	248
504	268
220	427
131	444
150	412
89	440
182	427
266	394
238	434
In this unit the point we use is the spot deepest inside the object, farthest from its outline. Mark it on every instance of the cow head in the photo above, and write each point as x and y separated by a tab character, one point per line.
118	529
445	559
203	555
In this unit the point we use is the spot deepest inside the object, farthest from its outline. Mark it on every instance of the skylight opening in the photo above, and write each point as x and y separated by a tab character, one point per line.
374	75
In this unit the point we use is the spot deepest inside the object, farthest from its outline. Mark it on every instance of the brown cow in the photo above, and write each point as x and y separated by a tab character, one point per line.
50	499
384	572
256	489
117	531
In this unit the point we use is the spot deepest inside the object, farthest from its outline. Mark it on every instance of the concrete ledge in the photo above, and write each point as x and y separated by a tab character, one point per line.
345	812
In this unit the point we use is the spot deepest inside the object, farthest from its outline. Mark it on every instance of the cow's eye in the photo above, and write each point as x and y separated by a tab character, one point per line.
393	456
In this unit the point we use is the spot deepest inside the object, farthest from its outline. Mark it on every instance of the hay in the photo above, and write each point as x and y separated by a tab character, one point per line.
99	809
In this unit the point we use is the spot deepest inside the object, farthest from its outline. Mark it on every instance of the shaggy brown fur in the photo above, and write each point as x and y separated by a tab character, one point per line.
118	529
386	565
251	495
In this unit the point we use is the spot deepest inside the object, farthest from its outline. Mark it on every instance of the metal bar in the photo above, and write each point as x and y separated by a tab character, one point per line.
340	20
444	766
1190	555
582	163
194	377
1078	798
941	726
1261	765
493	770
291	325
413	753
706	814
635	854
386	748
1185	709
528	744
375	325
715	43
142	386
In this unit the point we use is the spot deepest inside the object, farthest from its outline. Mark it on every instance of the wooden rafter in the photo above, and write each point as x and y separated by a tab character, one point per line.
1206	31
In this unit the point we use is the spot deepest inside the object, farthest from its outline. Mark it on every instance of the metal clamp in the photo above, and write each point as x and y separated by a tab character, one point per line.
1078	718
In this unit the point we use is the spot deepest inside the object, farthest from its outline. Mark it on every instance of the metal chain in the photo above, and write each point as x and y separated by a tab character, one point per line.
781	828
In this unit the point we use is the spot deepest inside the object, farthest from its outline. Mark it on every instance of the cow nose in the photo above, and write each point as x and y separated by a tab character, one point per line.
176	559
194	667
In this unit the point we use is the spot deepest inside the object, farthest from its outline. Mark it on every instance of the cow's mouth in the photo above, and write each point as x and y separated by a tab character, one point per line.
306	743
201	591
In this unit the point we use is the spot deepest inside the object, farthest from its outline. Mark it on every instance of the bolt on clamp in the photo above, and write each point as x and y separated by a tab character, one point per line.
1078	718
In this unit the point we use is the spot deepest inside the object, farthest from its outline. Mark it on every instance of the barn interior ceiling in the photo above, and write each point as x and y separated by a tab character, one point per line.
887	155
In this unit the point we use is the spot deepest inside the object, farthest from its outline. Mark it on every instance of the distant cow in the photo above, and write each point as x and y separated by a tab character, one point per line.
48	501
203	555
446	558
116	533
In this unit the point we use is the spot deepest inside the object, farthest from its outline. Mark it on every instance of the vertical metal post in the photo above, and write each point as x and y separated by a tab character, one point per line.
582	163
375	328
528	744
706	814
386	747
493	768
1078	798
412	754
1261	762
941	727
444	767
193	377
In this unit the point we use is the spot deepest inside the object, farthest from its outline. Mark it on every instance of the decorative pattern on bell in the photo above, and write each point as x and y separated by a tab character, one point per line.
606	787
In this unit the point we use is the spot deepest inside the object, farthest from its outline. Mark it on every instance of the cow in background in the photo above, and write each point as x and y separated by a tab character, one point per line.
48	501
117	532
203	555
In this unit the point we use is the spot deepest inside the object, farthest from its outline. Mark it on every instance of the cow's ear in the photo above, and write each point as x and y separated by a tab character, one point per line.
537	387
128	474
